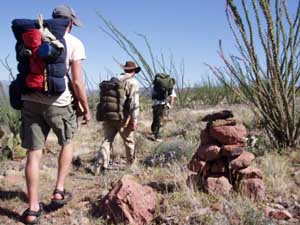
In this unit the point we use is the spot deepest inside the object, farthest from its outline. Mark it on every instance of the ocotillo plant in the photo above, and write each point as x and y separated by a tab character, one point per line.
266	69
149	63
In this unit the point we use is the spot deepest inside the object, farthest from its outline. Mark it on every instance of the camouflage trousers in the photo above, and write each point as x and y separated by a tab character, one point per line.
159	113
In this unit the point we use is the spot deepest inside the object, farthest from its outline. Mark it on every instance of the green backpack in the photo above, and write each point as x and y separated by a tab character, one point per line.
112	104
163	86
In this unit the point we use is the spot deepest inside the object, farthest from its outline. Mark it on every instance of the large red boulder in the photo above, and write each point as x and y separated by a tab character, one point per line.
129	202
219	167
218	185
205	139
233	150
250	172
228	135
242	161
197	165
208	152
253	188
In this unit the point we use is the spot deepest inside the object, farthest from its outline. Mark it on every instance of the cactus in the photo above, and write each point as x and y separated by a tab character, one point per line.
270	80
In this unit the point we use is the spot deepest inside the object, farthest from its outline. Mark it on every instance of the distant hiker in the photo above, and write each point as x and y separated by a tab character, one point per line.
46	51
163	96
118	109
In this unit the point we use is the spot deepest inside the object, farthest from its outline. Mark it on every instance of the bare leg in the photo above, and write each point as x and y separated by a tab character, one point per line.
32	180
64	163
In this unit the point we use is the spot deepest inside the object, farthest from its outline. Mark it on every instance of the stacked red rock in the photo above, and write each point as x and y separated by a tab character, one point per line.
222	162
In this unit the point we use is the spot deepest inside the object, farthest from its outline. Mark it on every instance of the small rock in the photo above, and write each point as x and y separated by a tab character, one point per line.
277	214
250	172
218	185
253	188
208	152
277	206
268	210
69	212
164	187
233	150
296	173
225	114
220	123
242	161
196	165
217	206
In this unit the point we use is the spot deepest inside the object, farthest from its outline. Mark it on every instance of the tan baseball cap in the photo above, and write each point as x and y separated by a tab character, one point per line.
64	11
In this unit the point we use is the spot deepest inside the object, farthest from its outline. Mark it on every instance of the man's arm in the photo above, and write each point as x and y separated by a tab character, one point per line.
172	98
133	94
79	88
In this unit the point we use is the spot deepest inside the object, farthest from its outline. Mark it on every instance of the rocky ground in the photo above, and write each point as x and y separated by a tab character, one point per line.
163	166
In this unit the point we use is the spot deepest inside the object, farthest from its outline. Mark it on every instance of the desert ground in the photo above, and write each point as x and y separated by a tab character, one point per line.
178	204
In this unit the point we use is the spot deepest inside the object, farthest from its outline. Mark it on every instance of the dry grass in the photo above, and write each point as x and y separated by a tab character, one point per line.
183	206
277	170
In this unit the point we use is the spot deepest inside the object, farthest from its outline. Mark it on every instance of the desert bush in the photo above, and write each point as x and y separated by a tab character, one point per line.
208	92
269	80
10	117
169	152
211	91
244	211
276	169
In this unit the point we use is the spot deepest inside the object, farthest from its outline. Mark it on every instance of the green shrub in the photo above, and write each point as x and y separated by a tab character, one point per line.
11	118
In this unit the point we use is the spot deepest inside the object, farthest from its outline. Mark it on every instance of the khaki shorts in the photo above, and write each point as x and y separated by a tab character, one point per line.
38	119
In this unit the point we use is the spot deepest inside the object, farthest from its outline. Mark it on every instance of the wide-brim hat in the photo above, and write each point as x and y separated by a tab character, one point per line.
130	65
64	11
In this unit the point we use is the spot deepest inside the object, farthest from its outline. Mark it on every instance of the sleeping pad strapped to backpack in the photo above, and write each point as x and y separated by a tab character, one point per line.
163	86
112	106
41	66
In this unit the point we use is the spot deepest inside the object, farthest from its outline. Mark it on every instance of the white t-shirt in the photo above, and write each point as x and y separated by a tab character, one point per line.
162	102
75	51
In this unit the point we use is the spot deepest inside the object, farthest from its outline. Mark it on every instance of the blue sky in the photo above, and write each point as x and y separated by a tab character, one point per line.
190	29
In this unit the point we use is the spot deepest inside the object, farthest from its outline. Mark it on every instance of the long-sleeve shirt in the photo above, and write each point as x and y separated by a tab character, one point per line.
132	91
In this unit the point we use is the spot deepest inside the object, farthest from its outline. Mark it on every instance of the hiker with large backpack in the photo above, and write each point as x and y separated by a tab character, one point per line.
163	96
46	52
118	109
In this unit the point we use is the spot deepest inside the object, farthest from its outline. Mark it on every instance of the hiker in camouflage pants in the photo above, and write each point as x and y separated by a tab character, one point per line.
126	126
160	110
